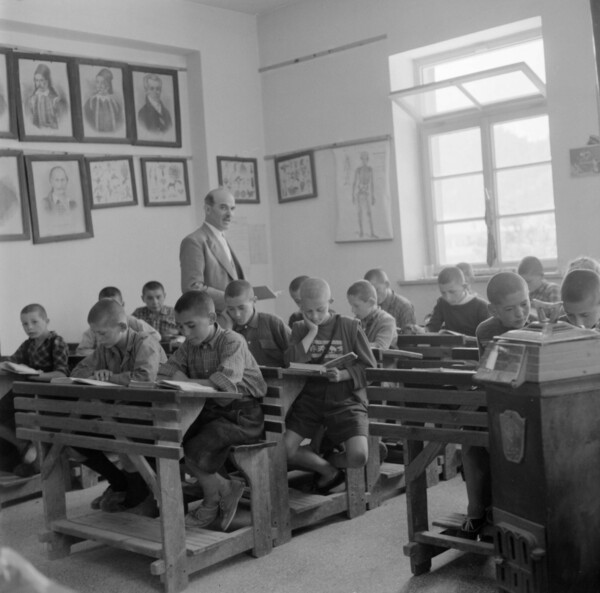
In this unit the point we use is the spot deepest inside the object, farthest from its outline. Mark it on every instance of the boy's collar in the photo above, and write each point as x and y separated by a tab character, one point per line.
41	339
252	322
210	339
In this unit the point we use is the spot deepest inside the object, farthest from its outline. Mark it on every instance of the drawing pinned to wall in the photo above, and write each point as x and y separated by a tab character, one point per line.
165	182
240	177
585	161
295	175
363	193
112	182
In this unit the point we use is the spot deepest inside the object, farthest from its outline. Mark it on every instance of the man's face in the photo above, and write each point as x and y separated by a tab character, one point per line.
585	313
452	292
240	308
40	82
154	299
513	311
195	327
153	89
58	181
34	324
220	213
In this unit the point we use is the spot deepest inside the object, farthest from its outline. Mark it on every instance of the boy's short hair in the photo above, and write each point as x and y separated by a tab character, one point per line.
314	288
377	275
467	270
363	290
579	285
530	265
109	292
584	262
451	274
35	308
238	288
152	285
296	283
197	302
107	312
503	284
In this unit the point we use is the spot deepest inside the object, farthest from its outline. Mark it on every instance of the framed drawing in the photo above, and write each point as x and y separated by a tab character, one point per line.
8	111
112	181
165	182
58	198
44	97
14	210
240	177
155	107
103	102
295	175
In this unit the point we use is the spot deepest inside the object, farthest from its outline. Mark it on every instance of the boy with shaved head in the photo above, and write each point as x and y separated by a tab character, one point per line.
580	292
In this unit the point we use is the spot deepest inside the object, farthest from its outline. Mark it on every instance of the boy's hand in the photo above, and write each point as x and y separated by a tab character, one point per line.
413	329
102	375
336	375
312	327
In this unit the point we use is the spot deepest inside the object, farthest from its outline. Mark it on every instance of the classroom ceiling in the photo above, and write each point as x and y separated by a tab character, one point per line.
247	6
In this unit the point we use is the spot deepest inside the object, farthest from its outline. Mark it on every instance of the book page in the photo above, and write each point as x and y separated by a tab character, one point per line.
19	369
95	382
185	386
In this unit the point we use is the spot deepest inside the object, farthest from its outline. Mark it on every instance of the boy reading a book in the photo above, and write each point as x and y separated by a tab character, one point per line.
294	289
122	355
531	270
580	292
267	335
160	316
509	307
379	326
220	359
43	351
336	400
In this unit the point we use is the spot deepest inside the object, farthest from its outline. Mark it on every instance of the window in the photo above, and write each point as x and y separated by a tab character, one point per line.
486	152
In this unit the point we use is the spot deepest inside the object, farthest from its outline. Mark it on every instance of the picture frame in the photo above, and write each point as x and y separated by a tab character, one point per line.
58	198
45	97
240	177
14	207
151	87
165	182
295	175
8	110
103	106
111	181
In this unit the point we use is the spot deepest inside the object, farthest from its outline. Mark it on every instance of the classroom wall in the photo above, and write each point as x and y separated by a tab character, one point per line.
221	115
343	97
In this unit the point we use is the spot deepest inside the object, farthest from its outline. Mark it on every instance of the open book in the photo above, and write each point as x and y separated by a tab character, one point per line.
94	382
18	369
307	368
184	386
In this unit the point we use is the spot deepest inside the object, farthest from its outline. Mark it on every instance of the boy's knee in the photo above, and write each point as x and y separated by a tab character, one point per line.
290	447
356	459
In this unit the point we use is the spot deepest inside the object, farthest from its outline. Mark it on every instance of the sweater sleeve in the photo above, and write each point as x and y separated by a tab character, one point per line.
437	318
362	349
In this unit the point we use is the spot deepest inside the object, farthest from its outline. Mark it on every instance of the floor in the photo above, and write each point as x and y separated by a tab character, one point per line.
363	555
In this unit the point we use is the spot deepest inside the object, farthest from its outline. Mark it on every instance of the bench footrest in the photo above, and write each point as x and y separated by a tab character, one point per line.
458	543
451	521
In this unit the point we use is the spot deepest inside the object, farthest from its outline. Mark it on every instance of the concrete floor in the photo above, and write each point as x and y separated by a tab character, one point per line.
341	556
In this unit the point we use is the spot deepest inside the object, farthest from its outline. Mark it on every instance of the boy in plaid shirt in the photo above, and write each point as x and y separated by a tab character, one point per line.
45	351
160	316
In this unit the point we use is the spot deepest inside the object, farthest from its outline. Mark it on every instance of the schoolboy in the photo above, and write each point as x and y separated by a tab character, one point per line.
399	307
467	269
457	309
337	400
267	335
122	355
220	359
160	316
584	262
509	306
379	326
531	270
88	339
580	293
294	290
44	351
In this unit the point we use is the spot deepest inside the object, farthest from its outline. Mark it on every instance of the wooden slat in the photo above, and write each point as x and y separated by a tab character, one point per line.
427	396
452	417
271	372
275	426
465	353
99	427
74	440
459	543
420	376
425	433
431	339
272	409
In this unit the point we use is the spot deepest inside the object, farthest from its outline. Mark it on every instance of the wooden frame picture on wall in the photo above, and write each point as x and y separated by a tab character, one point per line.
14	208
240	177
103	101
295	175
165	182
8	111
112	181
156	112
58	198
45	97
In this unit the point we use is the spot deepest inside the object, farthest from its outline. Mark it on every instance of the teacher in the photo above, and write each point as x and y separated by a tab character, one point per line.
208	263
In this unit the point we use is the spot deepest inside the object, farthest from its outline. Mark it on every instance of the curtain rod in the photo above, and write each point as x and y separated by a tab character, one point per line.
332	145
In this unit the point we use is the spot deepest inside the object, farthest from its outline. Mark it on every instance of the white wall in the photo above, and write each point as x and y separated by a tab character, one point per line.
221	113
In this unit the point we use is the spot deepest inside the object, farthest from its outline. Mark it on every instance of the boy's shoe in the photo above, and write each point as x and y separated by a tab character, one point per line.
330	484
202	516
147	508
229	503
26	470
472	526
108	498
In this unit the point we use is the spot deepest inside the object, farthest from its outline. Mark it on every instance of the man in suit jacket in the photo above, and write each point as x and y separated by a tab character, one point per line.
207	261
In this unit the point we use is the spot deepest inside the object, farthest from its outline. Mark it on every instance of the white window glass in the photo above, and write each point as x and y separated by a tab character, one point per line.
526	235
454	153
461	241
522	141
459	197
526	189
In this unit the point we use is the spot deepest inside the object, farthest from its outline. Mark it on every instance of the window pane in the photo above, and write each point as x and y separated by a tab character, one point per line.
462	241
455	152
459	197
521	141
503	87
525	189
527	235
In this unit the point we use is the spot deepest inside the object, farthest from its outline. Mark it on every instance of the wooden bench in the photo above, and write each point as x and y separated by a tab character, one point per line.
437	408
433	345
141	423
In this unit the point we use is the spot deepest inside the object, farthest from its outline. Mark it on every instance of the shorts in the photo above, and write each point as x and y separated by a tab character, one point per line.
208	440
333	405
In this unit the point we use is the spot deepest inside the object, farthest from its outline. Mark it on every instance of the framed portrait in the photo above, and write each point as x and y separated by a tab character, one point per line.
14	209
156	113
58	198
103	102
165	182
8	111
240	177
295	175
112	181
44	97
